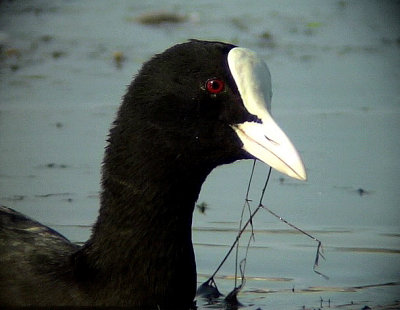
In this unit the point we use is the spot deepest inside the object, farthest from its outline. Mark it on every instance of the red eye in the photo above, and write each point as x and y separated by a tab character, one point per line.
215	86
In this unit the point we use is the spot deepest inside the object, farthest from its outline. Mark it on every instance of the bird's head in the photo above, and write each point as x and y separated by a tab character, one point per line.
214	100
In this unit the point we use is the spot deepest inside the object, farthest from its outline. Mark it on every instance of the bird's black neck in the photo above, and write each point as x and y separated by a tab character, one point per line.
142	237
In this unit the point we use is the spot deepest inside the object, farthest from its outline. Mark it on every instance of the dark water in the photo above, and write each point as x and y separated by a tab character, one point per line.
335	67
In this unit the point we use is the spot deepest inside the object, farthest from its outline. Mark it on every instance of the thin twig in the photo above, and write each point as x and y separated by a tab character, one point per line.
242	265
246	203
319	247
236	241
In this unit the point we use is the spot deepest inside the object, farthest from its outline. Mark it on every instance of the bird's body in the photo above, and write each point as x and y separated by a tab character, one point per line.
184	114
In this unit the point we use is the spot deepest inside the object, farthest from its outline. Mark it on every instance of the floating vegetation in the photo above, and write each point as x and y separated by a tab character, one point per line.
15	198
362	192
58	54
368	250
54	165
35	76
266	35
314	25
118	58
239	24
159	18
12	52
46	38
359	191
267	39
209	289
202	207
311	28
52	195
347	49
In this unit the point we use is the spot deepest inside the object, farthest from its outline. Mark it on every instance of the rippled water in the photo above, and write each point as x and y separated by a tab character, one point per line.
335	68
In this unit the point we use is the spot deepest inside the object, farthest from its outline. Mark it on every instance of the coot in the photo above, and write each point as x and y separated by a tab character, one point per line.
195	106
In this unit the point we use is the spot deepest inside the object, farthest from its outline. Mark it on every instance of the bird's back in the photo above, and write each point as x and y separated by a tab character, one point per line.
33	260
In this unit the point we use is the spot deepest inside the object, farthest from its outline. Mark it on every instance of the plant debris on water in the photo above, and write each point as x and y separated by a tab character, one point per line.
209	289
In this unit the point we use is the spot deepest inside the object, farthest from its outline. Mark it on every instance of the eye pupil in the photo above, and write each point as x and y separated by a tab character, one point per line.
215	86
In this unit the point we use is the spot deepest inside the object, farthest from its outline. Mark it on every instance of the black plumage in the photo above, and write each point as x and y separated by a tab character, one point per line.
170	132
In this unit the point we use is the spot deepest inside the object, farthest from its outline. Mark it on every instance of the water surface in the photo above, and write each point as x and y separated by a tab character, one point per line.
335	67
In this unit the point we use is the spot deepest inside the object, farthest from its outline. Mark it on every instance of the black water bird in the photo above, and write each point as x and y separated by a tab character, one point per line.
192	108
